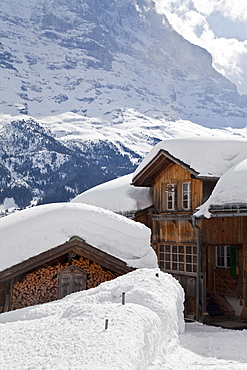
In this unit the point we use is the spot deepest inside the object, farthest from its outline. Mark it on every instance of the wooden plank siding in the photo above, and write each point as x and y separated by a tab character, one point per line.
177	175
34	281
175	239
2	296
230	231
83	249
143	216
180	230
176	231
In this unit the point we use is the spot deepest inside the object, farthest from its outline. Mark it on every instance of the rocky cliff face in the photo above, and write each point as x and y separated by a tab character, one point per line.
94	58
115	65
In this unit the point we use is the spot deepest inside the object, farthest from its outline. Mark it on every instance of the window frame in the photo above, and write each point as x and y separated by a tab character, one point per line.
180	258
188	193
173	194
224	257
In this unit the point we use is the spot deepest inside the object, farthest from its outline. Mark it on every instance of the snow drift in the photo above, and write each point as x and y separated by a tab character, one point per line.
70	333
30	232
117	195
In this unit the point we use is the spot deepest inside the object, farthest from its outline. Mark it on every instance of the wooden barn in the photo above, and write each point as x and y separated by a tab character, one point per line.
67	268
41	261
205	250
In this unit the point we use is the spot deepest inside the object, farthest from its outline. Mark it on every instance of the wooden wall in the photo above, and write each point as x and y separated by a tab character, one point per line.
177	175
41	285
143	216
225	231
2	296
177	231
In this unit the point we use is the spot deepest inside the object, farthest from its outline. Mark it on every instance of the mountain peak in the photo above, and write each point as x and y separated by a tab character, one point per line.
95	57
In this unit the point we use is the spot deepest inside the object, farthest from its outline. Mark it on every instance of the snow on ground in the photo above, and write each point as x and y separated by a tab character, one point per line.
117	195
70	333
147	333
8	204
35	230
203	347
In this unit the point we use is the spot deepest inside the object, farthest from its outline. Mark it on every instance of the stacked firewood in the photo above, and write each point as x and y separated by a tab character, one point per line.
41	286
37	287
96	274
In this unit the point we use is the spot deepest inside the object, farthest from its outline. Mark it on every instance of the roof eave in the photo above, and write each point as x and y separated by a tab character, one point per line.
156	165
81	248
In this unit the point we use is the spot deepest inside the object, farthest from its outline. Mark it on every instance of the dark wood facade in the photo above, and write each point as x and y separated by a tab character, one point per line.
70	267
207	256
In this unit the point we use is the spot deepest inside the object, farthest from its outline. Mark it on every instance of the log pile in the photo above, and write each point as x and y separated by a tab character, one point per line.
37	287
96	274
41	286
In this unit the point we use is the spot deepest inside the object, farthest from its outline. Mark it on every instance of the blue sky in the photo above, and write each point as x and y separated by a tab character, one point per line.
219	26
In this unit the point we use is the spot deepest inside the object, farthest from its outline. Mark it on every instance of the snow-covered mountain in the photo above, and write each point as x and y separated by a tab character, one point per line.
95	57
35	166
108	79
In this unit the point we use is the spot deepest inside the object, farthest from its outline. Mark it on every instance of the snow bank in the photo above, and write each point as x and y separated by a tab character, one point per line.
208	156
117	196
230	190
70	333
30	232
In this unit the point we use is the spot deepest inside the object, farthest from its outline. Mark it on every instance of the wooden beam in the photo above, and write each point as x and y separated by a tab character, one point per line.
81	248
156	166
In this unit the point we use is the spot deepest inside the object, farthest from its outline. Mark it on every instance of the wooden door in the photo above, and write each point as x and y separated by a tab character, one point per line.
64	286
70	280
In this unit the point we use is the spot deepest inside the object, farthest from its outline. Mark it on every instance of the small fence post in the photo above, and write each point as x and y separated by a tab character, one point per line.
123	298
106	324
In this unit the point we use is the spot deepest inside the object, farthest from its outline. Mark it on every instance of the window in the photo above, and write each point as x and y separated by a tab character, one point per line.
223	256
226	258
178	257
186	195
171	196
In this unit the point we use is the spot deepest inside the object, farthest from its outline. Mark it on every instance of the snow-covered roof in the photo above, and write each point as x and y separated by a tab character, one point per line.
208	156
28	233
117	196
223	158
230	190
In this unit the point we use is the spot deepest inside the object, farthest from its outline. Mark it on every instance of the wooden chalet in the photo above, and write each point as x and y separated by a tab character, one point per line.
207	256
67	268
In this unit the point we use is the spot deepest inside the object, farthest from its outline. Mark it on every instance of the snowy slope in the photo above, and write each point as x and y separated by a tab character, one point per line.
107	80
101	59
69	153
32	231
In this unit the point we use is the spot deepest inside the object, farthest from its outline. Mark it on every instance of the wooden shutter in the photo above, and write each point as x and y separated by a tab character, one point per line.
71	279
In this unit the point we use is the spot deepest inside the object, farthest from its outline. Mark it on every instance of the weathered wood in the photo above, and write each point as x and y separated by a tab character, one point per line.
41	285
157	165
81	248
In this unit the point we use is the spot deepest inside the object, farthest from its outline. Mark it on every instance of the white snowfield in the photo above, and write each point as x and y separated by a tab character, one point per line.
35	230
223	158
117	195
147	333
71	333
